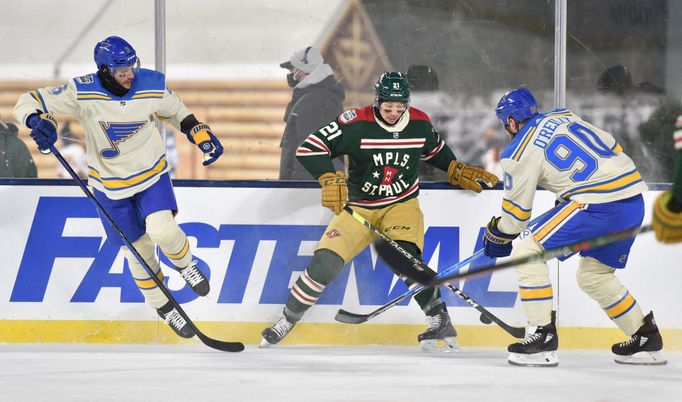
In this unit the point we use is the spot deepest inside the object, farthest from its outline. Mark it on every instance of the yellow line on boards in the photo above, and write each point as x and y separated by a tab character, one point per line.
327	334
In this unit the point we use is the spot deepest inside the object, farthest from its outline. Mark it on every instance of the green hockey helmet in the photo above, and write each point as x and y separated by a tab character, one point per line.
391	87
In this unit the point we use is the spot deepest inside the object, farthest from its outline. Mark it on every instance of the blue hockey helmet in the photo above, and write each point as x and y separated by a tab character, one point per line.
518	103
114	52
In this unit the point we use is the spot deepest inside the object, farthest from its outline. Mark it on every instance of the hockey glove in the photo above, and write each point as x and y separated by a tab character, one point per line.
43	131
334	191
202	137
468	177
666	223
495	242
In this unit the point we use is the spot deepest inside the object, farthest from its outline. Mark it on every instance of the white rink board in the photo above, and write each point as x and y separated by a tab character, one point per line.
54	255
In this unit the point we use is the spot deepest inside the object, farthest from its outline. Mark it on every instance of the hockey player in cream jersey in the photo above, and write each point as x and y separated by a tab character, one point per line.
118	107
598	189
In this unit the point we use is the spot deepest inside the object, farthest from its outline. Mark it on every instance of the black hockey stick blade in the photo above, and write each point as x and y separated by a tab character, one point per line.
401	264
348	317
223	346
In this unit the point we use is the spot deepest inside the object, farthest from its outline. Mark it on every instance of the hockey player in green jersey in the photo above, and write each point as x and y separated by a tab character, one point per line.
667	220
384	143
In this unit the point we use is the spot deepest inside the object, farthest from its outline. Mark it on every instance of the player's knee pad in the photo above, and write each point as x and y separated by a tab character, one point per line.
164	231
147	250
533	273
597	280
324	266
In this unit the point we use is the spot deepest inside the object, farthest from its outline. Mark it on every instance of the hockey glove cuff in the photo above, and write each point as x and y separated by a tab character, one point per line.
43	131
207	142
666	223
495	242
468	177
334	191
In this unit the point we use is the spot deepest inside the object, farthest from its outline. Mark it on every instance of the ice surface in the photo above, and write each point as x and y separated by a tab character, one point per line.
59	373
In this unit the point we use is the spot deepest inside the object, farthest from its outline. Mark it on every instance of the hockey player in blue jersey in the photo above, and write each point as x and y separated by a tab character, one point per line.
599	191
118	106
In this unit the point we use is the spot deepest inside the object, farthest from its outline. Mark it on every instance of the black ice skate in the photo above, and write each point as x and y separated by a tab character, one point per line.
643	348
537	350
195	278
175	320
440	329
276	332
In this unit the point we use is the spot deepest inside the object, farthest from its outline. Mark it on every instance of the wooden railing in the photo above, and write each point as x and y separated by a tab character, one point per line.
247	117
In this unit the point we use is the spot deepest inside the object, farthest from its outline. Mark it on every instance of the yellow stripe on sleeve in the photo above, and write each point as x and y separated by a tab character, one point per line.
516	211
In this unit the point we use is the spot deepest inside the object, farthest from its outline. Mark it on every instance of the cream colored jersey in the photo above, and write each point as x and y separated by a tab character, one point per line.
562	153
125	151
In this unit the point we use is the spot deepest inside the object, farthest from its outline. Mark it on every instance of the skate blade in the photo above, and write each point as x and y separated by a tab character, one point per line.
643	359
445	345
542	359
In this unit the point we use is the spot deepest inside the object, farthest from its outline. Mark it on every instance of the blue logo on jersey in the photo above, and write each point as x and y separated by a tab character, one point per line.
117	133
56	91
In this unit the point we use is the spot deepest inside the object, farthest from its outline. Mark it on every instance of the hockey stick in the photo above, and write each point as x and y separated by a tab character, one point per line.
348	317
210	342
517	332
403	264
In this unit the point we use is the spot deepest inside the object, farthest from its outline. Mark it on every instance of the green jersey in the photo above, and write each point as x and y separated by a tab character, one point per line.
382	159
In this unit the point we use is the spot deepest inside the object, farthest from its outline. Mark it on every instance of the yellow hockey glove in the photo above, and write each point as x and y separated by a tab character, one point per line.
468	177
334	191
666	223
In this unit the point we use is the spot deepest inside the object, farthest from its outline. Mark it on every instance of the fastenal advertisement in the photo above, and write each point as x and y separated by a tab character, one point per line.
253	242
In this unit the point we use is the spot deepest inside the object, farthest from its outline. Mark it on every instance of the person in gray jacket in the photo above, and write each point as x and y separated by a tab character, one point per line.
317	99
15	158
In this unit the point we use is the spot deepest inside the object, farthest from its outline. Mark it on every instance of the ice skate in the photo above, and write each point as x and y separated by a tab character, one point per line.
175	320
643	348
276	332
537	350
195	278
440	329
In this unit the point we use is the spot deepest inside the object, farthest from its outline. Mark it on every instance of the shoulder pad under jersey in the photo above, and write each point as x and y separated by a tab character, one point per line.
147	80
416	114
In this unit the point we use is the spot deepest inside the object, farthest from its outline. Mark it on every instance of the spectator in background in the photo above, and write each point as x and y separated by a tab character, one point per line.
73	151
317	99
423	82
491	158
656	158
15	158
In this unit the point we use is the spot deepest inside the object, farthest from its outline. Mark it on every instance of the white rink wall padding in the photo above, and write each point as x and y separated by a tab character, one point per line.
61	281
